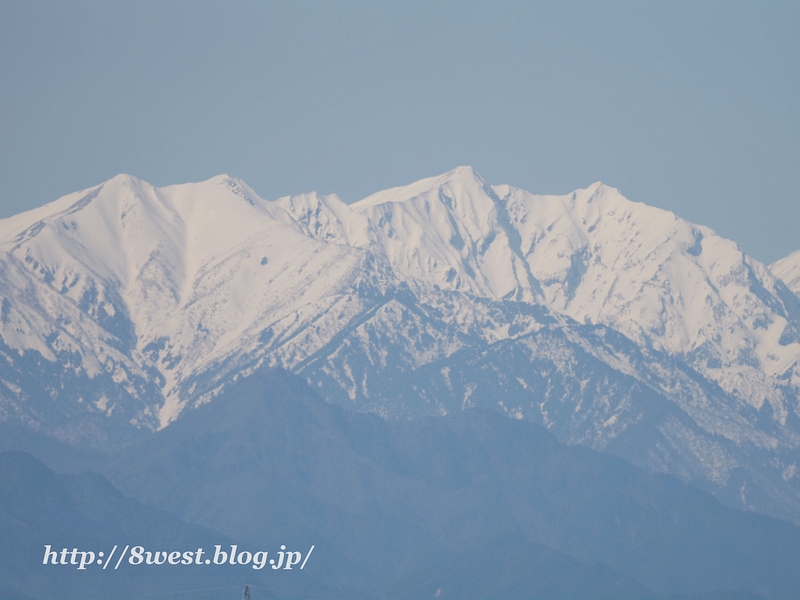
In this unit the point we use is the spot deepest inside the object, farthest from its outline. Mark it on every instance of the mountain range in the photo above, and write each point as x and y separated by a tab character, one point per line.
613	324
467	505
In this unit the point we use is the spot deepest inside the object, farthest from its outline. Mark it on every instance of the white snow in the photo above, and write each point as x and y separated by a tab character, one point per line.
211	275
788	269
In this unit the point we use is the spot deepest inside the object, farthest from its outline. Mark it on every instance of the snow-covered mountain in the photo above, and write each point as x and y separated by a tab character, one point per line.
148	285
788	269
614	324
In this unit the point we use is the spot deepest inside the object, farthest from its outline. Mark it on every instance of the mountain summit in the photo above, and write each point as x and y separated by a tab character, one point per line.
612	323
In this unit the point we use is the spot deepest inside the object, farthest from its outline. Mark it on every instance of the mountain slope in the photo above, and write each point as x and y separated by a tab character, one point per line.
788	269
599	258
268	459
143	284
718	330
39	507
613	324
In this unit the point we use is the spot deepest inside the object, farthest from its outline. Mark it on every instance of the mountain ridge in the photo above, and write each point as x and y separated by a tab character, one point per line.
788	269
432	489
614	324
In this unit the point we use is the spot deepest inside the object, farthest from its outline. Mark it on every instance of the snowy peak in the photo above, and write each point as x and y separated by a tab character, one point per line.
451	231
128	249
788	270
174	279
599	258
592	255
461	181
145	243
659	279
432	297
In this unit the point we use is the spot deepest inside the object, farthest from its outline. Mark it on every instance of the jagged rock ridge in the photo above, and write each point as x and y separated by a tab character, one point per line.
614	324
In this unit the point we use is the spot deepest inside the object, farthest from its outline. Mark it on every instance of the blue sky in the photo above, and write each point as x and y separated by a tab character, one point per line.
689	106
